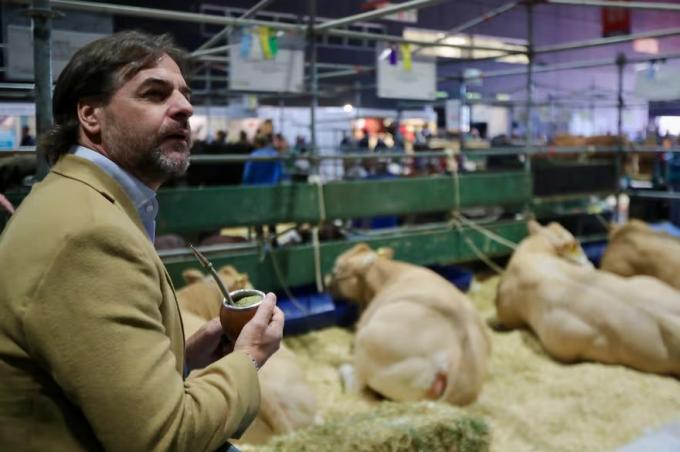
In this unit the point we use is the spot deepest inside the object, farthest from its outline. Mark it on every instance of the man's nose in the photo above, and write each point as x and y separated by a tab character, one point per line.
181	107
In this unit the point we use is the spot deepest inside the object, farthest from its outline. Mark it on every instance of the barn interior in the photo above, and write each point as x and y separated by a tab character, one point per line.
436	129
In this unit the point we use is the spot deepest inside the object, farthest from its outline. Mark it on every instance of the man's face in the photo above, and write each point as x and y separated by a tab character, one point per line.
145	126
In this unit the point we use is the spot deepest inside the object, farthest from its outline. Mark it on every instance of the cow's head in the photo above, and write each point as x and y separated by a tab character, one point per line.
632	226
348	277
560	242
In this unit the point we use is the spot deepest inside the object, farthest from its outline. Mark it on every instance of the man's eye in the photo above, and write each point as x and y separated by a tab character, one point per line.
154	95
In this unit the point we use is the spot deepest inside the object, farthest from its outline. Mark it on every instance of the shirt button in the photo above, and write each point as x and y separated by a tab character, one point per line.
149	209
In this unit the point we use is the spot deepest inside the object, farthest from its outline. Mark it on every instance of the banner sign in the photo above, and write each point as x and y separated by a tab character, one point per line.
400	75
20	50
260	60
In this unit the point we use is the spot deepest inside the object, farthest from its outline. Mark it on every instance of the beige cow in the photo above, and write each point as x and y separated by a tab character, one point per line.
287	398
418	336
581	313
636	249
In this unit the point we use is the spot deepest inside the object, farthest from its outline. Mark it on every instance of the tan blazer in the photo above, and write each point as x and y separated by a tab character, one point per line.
91	342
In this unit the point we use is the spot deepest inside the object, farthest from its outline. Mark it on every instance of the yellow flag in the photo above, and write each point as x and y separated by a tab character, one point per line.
406	56
263	33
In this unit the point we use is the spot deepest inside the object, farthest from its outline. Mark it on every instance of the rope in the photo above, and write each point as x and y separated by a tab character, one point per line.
277	271
315	234
603	221
490	234
456	191
317	259
480	255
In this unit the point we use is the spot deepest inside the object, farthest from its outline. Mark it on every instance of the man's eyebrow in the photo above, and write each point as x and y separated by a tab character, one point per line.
185	90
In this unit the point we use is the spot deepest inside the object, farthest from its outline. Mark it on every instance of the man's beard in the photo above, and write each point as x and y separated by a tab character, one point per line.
152	159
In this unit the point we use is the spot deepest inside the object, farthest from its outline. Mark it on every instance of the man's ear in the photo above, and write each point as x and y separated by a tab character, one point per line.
89	115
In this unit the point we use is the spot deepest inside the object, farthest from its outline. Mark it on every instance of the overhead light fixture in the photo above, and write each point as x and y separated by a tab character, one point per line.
347	108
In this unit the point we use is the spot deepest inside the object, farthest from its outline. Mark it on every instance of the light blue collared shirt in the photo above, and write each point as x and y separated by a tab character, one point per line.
143	198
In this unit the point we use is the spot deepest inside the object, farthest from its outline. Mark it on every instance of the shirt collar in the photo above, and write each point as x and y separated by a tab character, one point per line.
143	197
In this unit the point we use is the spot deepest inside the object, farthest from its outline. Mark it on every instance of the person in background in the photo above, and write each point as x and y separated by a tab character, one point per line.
26	137
280	143
221	137
92	354
266	172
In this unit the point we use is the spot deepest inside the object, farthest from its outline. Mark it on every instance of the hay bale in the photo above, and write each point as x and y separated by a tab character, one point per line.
421	426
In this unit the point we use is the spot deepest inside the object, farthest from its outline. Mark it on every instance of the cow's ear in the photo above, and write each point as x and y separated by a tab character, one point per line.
192	275
534	227
386	252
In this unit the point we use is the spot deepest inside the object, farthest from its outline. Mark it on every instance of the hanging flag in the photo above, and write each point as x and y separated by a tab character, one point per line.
406	56
246	42
393	56
264	42
274	42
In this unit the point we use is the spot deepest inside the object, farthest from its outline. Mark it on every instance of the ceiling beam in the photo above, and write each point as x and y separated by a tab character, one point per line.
413	4
618	4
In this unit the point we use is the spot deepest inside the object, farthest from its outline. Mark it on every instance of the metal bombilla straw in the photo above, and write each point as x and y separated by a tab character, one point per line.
209	266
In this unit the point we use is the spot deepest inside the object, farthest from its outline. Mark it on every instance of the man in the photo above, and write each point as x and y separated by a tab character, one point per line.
91	348
267	172
26	137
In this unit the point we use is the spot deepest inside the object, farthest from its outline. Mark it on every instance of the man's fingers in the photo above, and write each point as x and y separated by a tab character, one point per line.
265	310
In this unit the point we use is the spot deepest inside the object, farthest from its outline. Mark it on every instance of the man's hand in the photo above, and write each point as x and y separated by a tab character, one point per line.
6	205
261	336
206	345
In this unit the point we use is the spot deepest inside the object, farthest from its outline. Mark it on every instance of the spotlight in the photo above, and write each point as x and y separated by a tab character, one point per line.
348	108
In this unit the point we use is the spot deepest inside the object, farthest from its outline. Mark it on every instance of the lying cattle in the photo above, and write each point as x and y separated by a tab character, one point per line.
418	336
287	399
581	313
636	249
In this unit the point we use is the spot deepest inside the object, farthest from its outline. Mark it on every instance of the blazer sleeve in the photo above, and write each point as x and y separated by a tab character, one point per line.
95	325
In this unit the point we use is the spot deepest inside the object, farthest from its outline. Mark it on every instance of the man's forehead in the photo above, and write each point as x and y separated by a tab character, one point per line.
165	70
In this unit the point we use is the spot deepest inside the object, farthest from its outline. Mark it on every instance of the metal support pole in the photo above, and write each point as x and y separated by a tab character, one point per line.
225	32
314	81
462	90
472	22
607	41
530	76
620	65
42	68
570	66
413	4
619	4
530	86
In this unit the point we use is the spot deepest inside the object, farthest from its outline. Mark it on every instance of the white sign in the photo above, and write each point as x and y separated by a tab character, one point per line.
20	50
452	110
658	81
397	82
249	70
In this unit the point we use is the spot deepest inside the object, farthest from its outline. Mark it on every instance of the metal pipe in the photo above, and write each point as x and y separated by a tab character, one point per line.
607	41
472	22
413	4
22	86
136	11
400	40
314	81
41	16
572	65
227	30
210	51
620	65
654	194
530	75
618	4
